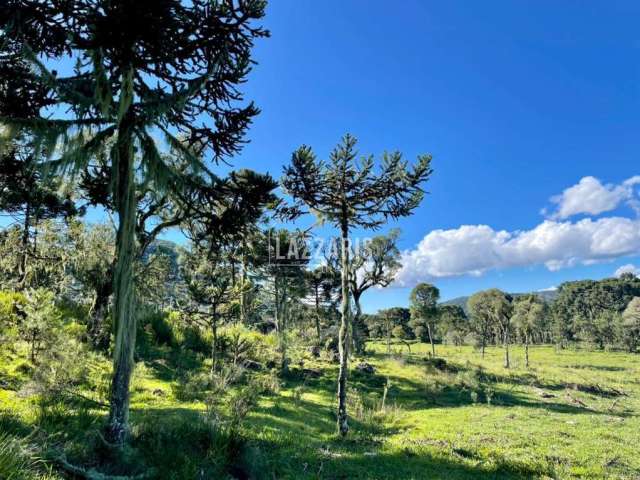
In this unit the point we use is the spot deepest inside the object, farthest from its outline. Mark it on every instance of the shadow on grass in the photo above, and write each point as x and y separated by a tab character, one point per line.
413	395
168	363
344	460
603	368
294	440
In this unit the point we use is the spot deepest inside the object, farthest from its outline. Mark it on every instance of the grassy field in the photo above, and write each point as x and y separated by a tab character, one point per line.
572	414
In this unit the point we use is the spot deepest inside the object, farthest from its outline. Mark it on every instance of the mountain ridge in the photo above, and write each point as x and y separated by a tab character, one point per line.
547	295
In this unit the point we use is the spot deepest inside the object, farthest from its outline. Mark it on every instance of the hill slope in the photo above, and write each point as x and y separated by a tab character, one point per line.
547	295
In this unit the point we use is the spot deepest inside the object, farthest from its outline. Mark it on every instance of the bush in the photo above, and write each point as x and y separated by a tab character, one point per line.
191	386
18	461
42	322
162	329
185	445
194	340
11	304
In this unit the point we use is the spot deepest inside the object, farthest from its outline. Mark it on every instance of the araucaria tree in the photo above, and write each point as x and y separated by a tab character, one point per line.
142	68
424	310
285	280
374	264
348	192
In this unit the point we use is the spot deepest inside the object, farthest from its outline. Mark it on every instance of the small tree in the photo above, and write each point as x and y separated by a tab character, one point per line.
284	270
208	281
424	309
392	320
631	324
91	265
322	282
481	315
374	264
349	193
41	322
454	322
528	316
501	310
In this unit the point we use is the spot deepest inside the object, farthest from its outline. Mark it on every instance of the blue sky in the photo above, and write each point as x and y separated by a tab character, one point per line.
516	101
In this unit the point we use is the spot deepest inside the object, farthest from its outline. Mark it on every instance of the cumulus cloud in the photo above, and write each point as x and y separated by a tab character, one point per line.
476	249
590	196
628	268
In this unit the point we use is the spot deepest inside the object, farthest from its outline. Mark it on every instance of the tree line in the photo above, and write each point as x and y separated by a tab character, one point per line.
597	313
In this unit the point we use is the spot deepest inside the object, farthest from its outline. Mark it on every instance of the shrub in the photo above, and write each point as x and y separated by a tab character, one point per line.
10	303
195	340
41	323
18	461
268	384
185	445
191	386
162	329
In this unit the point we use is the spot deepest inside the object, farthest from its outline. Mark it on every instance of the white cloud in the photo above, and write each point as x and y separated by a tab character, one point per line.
549	289
476	249
590	196
628	268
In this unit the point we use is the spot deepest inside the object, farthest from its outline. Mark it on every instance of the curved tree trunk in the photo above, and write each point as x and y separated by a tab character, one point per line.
526	350
343	344
123	291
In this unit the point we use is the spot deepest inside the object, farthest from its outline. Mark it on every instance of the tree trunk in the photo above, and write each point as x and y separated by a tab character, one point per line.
506	348
317	311
232	261
97	331
343	345
526	350
243	292
33	346
433	348
214	344
389	338
358	342
280	327
123	292
483	342
22	263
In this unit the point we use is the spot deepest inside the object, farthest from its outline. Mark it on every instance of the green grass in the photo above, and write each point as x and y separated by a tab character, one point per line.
572	414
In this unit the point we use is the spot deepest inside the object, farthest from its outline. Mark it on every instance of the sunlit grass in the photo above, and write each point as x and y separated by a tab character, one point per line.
572	414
